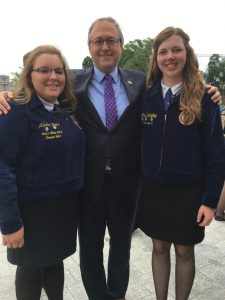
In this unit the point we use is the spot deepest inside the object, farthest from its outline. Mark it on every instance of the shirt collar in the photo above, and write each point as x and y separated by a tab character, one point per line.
99	75
49	106
175	89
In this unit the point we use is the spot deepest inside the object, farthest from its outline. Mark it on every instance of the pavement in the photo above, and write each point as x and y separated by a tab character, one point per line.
209	281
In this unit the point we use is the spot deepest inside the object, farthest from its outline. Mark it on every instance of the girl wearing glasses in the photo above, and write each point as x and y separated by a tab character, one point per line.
41	171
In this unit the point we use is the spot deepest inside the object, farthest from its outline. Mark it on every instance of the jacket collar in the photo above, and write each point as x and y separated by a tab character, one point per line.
99	75
156	89
34	102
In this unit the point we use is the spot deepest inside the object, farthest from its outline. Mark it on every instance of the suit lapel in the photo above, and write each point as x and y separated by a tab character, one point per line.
129	84
82	79
89	109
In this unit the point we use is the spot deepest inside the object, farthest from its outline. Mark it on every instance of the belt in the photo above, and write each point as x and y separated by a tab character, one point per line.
108	172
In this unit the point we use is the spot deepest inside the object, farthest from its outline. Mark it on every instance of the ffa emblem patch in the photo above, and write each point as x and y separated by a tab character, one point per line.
148	118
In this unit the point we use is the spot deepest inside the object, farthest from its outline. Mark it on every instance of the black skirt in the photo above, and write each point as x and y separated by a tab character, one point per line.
168	212
50	231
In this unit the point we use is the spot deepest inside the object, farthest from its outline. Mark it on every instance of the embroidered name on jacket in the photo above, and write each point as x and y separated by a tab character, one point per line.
148	118
50	130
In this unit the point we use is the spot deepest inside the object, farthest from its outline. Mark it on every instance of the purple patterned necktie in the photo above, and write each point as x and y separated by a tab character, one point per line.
110	103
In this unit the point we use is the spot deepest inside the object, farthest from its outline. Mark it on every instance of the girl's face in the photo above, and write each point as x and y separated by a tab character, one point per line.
171	59
48	77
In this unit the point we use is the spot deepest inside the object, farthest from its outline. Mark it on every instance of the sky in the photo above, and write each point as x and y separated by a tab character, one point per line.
26	24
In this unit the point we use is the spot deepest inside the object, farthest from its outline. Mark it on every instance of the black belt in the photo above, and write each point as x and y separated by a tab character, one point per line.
108	172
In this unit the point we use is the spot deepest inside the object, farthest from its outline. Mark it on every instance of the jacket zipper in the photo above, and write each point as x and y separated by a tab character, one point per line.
161	154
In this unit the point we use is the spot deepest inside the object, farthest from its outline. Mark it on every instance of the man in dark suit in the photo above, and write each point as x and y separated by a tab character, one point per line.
112	164
112	167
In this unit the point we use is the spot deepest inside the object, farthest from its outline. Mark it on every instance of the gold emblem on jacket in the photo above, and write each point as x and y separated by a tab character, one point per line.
50	131
148	118
181	119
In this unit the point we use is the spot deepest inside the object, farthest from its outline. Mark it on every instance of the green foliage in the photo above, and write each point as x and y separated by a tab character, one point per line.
87	62
14	77
136	54
215	73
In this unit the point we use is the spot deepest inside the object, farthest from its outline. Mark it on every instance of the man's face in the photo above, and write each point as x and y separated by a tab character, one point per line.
105	47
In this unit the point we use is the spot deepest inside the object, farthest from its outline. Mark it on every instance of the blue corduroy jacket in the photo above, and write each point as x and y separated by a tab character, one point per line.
177	153
41	156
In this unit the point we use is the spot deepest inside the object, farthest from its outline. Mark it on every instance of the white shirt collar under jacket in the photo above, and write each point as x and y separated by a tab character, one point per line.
49	106
175	89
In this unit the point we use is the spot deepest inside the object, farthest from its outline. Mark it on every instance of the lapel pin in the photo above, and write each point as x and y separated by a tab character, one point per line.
129	82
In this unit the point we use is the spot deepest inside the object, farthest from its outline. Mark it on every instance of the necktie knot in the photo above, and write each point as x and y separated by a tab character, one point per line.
167	98
56	107
110	103
108	77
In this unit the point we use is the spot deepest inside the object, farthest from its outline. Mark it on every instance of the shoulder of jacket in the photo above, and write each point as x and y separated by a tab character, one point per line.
77	72
132	72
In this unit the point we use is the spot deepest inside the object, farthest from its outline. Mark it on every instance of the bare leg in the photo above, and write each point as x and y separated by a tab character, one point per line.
185	271
161	268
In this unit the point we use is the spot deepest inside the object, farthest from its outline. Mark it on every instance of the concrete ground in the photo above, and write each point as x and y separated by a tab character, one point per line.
209	281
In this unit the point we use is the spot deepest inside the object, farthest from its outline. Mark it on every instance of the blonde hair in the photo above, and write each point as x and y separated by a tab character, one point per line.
193	86
24	88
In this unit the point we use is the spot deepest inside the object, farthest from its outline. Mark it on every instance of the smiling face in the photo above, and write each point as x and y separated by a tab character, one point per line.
105	56
48	85
171	59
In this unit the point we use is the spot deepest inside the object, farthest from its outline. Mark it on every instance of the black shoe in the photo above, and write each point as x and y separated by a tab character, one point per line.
219	218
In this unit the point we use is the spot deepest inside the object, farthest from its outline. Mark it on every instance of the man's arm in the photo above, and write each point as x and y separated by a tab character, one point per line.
214	92
6	96
4	106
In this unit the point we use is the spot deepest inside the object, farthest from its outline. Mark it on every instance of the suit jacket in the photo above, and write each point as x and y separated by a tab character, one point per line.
122	143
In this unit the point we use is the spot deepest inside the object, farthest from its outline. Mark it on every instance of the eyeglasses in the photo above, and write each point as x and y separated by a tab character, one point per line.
108	41
47	71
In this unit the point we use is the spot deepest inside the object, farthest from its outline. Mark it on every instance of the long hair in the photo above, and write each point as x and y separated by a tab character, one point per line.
24	88
193	86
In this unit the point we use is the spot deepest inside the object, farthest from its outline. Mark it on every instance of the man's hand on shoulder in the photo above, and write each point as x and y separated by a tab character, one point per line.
214	92
4	98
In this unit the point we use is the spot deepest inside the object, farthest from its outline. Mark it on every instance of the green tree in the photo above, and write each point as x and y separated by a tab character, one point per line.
87	62
14	77
215	73
136	54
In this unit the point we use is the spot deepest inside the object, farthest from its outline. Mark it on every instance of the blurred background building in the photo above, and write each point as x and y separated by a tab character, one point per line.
4	83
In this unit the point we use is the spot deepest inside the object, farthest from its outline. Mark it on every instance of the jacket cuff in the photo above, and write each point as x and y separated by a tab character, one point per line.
11	226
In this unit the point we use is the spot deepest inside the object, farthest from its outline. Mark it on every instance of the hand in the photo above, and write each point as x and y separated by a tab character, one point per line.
4	106
215	93
205	215
14	240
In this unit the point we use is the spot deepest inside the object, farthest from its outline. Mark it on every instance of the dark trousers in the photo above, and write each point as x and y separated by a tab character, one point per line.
117	212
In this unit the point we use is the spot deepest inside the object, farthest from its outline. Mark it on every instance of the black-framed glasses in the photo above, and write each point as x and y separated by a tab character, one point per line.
108	41
47	71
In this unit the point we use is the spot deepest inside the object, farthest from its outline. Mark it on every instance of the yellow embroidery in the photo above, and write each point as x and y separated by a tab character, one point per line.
181	119
50	131
148	118
53	125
